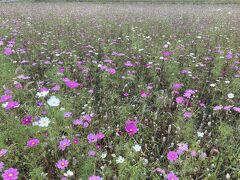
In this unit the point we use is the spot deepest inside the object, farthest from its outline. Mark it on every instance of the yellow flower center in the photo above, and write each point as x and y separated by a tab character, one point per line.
10	175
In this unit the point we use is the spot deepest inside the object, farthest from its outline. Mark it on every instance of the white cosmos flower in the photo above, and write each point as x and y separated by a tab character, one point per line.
42	94
212	85
230	95
104	155
200	134
120	160
43	122
53	101
137	148
69	173
4	105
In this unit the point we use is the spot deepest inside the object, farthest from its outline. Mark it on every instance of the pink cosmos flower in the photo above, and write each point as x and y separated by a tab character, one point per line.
62	164
7	92
93	177
167	53
92	138
12	105
182	147
5	98
67	114
61	70
111	71
63	144
237	109
216	108
100	135
72	84
26	120
75	141
125	94
3	152
33	142
193	153
144	94
188	93
131	127
107	61
203	155
159	170
187	114
172	176
91	153
179	100
78	122
172	156
227	108
56	88
87	118
177	86
10	174
128	64
7	51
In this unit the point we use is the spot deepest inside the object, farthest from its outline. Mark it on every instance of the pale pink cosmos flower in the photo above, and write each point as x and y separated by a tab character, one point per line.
237	109
172	176
3	152
216	108
187	114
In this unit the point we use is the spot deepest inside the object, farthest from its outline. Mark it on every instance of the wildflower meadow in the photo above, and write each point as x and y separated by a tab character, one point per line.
122	91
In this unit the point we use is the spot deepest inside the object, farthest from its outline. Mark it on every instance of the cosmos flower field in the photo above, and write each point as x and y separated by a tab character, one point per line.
119	91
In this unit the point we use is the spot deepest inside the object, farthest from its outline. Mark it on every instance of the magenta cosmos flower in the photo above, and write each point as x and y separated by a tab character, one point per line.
75	141
100	135
10	174
172	176
71	84
63	144
144	93
7	51
131	127
172	156
179	100
5	98
32	142
62	164
111	71
26	120
12	105
94	177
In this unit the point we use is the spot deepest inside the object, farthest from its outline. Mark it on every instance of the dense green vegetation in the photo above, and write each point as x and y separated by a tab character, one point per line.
119	91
